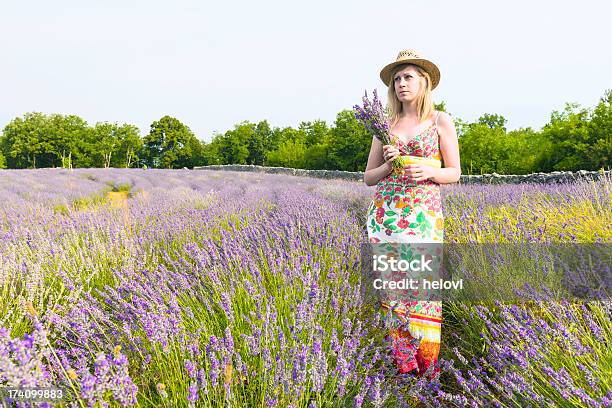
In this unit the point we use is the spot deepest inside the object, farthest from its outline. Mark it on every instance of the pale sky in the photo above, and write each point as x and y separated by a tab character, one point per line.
214	64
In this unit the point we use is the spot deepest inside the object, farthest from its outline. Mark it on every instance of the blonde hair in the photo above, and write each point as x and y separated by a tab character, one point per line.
424	99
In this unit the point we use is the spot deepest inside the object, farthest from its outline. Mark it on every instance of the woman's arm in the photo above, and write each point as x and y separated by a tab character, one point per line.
449	148
377	167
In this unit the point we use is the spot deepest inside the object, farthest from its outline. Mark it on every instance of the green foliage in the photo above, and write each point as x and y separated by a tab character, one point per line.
600	129
482	149
105	136
61	209
256	144
349	143
440	106
486	147
210	152
289	154
120	187
247	143
89	202
112	145
461	127
580	137
233	146
129	145
569	133
315	132
290	148
574	139
493	121
61	139
94	200
317	157
170	144
39	140
528	147
22	140
275	138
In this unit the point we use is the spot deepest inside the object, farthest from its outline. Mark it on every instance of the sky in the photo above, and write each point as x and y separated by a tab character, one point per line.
215	64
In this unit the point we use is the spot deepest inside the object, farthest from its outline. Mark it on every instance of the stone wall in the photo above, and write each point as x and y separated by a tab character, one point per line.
547	178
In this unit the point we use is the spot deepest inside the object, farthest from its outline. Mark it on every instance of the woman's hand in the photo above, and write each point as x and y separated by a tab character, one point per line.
390	152
419	172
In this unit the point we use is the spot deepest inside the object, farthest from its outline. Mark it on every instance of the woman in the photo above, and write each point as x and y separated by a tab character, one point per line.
406	207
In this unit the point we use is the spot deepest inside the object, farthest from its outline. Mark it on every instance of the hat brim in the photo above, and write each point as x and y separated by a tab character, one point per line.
430	67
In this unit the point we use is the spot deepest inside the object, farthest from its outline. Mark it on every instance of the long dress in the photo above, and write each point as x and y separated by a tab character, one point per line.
404	211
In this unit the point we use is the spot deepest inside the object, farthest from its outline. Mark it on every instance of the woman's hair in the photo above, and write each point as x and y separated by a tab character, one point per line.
424	100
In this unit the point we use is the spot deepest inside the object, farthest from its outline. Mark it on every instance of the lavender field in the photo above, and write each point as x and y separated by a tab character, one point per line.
175	288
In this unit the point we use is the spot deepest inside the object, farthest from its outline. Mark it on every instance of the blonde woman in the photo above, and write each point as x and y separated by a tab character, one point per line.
406	208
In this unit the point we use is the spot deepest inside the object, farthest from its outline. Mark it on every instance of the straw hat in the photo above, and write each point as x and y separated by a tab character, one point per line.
412	57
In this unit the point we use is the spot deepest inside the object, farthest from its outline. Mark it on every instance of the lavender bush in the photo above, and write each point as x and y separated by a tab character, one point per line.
373	118
204	292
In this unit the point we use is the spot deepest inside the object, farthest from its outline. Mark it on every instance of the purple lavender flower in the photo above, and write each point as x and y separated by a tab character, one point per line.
372	116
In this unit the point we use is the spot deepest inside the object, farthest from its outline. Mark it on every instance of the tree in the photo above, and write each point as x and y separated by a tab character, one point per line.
290	148
317	135
129	145
86	151
274	139
22	141
210	151
256	144
61	136
316	157
461	127
315	132
170	144
440	106
232	146
493	121
526	150
483	149
568	132
107	141
245	144
600	131
349	143
290	153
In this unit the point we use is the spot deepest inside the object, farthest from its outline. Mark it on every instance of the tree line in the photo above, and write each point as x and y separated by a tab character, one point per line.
575	138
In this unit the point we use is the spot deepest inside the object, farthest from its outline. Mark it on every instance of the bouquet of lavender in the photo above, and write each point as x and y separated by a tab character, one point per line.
374	119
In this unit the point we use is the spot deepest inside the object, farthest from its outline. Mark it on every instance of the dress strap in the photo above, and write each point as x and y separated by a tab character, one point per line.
437	116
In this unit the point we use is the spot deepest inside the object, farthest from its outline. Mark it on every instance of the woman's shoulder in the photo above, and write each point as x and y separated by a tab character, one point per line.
442	119
445	126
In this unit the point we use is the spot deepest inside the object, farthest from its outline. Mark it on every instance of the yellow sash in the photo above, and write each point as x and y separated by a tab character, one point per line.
426	161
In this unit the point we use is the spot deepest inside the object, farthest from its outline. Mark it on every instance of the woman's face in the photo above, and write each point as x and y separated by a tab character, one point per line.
407	84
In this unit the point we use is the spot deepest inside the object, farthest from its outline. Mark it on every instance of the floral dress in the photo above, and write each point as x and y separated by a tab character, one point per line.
403	211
